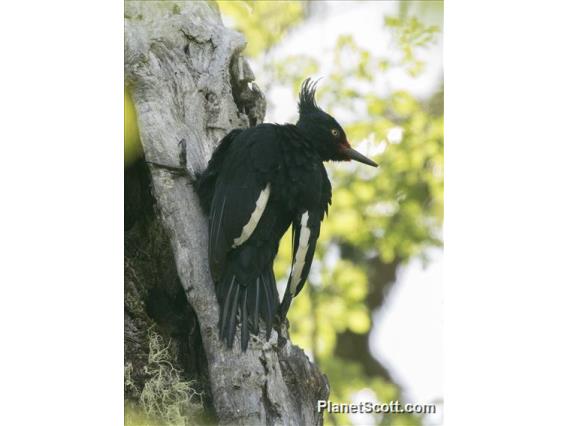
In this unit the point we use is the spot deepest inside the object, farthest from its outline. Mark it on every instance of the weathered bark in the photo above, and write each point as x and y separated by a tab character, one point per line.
189	82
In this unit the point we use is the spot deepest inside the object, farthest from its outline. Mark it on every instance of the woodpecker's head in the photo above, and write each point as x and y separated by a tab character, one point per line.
323	130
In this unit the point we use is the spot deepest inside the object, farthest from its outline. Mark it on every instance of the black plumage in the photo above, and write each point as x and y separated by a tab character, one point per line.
258	182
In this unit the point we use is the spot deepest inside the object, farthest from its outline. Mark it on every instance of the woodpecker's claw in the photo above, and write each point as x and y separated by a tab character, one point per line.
183	153
180	171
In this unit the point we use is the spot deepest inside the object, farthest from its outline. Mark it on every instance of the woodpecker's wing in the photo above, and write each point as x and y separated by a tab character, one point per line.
305	233
242	191
205	182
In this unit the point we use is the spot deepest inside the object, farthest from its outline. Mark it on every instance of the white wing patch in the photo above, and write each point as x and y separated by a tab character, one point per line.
254	218
302	250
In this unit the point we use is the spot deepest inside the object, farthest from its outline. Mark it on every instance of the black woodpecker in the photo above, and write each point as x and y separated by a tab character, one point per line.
258	182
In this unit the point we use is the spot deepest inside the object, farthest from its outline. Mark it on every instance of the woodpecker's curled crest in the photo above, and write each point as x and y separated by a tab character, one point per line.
258	182
307	103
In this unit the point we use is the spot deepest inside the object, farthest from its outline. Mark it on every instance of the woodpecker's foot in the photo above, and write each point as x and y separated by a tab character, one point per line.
179	171
183	153
280	320
282	326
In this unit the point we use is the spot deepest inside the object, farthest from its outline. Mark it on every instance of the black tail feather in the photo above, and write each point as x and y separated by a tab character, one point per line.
227	298
256	306
232	326
244	304
268	312
244	322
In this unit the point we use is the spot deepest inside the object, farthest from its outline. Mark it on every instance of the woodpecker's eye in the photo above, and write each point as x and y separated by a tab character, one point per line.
334	132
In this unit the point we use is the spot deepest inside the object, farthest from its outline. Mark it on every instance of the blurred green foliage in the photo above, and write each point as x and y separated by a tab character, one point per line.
265	23
410	34
390	214
132	144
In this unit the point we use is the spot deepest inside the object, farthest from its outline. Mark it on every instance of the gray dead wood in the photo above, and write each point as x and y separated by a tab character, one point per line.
189	81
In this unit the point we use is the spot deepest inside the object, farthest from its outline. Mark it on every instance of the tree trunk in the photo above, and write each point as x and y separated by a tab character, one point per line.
189	82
